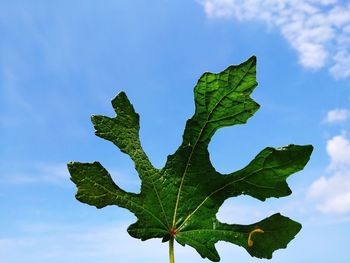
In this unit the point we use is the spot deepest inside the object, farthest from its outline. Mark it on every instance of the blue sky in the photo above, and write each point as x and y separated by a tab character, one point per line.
63	61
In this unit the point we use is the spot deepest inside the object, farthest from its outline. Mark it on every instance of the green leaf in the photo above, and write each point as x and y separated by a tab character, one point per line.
180	201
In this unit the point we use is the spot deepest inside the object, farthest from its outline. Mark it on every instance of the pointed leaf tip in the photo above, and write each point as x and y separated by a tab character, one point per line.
253	59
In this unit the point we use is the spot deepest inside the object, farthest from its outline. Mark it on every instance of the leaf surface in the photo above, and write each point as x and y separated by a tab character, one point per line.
181	200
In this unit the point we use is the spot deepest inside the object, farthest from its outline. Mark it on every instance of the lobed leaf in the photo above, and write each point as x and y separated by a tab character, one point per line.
181	200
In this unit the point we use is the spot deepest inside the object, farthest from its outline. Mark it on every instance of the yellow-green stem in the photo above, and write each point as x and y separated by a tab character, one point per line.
171	250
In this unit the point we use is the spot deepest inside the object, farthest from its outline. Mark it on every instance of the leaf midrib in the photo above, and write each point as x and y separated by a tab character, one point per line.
198	138
226	185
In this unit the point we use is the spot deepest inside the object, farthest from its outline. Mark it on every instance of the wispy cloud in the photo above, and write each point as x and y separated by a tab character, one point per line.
239	211
37	173
86	243
332	193
63	243
337	115
57	174
13	100
319	30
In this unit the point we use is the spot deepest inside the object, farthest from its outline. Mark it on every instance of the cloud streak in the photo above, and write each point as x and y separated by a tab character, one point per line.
48	173
337	116
318	30
85	243
63	243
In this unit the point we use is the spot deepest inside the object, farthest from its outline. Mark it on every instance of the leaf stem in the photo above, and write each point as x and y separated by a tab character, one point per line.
171	250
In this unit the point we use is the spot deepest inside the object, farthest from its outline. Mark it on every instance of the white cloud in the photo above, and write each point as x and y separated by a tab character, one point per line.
338	149
337	116
332	193
318	30
341	68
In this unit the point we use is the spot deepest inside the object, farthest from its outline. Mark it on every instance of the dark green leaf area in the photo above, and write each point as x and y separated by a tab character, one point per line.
277	232
182	199
222	100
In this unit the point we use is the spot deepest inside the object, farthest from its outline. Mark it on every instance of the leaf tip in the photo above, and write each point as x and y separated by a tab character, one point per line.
305	151
121	96
253	59
93	116
309	148
70	166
